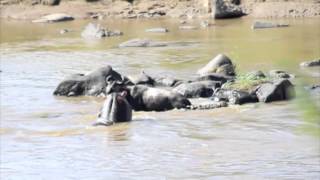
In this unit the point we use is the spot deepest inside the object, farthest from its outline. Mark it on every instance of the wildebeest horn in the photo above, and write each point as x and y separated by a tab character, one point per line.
109	79
109	88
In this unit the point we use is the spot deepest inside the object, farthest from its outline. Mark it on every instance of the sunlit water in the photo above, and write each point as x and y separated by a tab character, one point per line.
47	137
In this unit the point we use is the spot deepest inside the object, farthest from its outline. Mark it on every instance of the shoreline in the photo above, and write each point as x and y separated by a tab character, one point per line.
152	10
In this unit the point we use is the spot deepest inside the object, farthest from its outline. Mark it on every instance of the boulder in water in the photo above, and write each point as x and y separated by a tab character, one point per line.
221	64
312	63
157	30
58	17
142	43
225	9
263	25
96	31
281	89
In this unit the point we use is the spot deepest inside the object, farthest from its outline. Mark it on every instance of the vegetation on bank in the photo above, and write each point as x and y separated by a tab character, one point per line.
246	82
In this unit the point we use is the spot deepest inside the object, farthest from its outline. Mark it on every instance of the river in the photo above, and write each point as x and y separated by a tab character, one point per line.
48	137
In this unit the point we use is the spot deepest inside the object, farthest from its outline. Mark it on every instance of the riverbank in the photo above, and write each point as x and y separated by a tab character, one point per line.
154	9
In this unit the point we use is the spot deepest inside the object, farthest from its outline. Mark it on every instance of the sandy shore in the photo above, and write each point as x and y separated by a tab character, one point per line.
154	9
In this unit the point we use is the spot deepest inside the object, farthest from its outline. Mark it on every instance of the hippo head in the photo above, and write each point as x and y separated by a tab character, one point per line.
115	109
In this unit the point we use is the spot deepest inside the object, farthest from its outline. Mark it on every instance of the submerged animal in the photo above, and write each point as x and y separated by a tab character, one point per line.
115	109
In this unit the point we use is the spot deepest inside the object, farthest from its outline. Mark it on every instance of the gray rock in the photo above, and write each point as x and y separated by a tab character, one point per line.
262	25
50	2
312	63
142	43
110	33
142	78
280	74
234	96
157	30
93	31
221	64
256	75
188	27
215	77
197	89
167	81
59	17
63	31
96	31
183	22
281	89
315	87
205	24
92	84
209	105
224	9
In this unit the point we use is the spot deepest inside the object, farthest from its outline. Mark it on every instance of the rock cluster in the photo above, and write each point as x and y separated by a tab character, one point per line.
146	93
212	83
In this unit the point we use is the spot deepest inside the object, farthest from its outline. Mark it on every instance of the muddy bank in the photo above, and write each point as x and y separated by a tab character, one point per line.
30	10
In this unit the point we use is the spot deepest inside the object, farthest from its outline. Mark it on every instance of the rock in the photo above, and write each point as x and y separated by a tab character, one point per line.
142	43
188	27
183	22
205	24
215	77
221	64
315	87
157	30
50	2
96	31
93	31
142	78
110	33
54	18
92	84
312	63
281	89
197	89
224	9
255	75
167	81
209	105
234	96
280	74
262	25
63	31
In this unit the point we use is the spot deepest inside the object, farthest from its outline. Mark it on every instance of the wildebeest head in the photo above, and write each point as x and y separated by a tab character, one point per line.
115	109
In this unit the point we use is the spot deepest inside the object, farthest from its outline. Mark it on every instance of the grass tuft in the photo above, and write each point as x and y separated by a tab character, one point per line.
246	82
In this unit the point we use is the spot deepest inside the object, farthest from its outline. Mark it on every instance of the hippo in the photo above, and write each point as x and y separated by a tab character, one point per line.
92	84
145	98
115	109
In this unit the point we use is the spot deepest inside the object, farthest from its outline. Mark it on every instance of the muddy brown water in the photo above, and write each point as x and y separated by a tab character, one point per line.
47	137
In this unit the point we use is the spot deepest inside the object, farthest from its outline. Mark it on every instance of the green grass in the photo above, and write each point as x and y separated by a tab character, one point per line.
246	82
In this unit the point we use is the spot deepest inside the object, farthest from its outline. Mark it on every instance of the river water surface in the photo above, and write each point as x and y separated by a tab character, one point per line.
47	137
